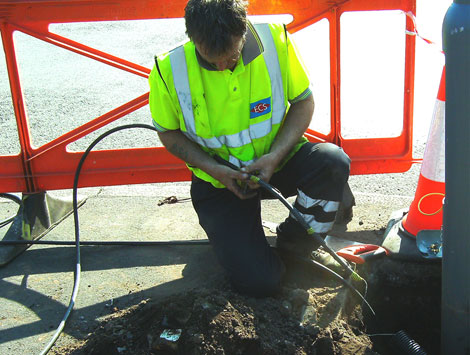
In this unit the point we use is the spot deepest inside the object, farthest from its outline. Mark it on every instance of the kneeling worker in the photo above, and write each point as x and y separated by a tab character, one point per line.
240	92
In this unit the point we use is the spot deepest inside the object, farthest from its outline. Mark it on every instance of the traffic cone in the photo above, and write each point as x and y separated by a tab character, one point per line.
426	209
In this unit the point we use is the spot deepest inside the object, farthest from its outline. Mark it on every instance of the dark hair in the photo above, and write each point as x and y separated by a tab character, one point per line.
214	23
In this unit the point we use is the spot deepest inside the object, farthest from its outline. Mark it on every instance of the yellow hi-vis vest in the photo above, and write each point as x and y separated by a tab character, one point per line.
243	141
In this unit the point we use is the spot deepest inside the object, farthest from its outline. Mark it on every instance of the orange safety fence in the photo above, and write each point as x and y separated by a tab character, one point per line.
51	166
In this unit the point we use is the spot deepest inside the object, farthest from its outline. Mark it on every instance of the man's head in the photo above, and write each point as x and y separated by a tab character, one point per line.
217	28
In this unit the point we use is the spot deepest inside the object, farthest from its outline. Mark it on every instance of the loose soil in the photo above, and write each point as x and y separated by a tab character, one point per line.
313	314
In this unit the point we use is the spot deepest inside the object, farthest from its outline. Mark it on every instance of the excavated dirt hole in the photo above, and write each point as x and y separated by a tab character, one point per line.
405	296
314	314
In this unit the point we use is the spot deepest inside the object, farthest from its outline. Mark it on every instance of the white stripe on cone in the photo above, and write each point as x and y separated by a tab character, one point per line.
433	166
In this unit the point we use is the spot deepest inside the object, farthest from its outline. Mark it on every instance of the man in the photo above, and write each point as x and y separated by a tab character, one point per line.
240	92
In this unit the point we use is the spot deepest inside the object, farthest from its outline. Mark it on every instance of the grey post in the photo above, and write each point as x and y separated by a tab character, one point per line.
455	333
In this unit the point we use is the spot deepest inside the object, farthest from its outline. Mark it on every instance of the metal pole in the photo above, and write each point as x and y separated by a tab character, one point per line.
455	333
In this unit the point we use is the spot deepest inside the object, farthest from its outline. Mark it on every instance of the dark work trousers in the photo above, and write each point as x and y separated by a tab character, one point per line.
234	226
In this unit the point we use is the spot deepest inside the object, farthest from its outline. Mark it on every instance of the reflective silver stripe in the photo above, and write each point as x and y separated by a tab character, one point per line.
318	227
183	91
179	70
212	143
181	81
258	130
274	70
307	202
239	163
236	140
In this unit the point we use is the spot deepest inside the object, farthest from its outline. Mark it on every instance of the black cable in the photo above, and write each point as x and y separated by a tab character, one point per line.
15	199
110	243
77	229
277	194
12	197
345	282
407	345
77	242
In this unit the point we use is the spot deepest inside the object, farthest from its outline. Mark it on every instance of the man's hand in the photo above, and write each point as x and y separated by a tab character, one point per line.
179	145
233	180
263	168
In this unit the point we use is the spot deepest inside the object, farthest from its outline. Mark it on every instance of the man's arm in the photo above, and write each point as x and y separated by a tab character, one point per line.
179	145
295	124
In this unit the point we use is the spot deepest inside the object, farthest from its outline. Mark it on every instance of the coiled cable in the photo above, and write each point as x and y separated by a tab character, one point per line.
270	189
15	199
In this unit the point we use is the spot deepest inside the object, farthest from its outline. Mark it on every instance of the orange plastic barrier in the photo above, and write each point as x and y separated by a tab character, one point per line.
51	166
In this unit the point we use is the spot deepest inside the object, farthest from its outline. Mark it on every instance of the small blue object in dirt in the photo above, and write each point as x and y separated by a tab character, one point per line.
429	243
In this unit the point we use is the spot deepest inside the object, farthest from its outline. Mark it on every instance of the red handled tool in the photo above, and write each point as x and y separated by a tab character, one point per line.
359	253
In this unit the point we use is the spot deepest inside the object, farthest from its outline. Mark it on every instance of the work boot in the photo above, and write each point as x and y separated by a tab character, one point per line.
321	256
293	239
